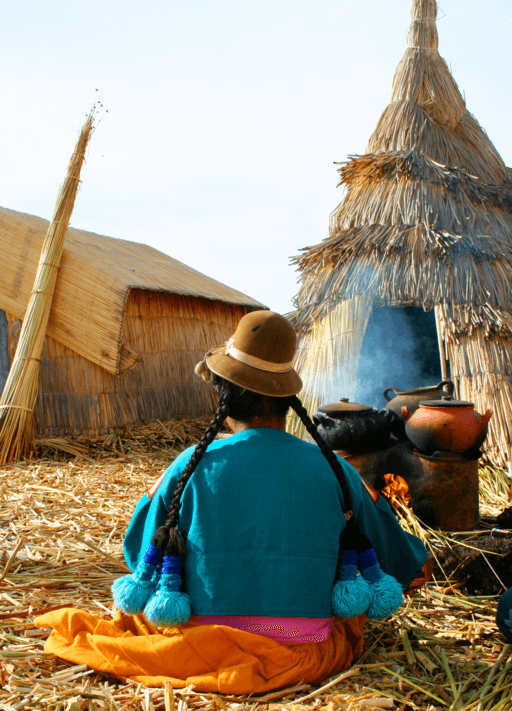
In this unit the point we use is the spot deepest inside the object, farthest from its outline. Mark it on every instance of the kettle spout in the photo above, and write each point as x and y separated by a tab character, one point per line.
486	417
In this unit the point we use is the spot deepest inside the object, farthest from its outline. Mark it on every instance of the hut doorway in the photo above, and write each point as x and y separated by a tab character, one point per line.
399	350
4	353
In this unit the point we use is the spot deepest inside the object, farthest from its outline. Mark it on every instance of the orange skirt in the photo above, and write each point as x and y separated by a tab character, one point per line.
213	658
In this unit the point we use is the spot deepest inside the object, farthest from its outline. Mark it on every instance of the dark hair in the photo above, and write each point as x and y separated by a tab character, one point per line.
242	405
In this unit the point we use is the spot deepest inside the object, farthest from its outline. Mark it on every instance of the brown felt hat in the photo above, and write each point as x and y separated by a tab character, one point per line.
258	357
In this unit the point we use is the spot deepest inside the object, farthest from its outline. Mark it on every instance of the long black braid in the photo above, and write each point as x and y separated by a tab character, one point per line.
167	537
242	405
308	423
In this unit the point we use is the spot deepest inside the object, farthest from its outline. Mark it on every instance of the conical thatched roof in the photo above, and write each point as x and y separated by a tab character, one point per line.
426	221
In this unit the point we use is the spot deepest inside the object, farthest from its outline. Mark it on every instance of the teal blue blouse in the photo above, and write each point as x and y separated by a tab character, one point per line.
262	516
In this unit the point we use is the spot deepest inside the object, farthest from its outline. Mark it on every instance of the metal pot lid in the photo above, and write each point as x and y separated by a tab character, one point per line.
447	403
338	409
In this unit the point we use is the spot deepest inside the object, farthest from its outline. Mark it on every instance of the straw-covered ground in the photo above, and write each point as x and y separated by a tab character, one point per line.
63	516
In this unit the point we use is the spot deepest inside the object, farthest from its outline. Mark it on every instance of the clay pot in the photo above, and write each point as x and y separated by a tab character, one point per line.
446	426
352	427
412	398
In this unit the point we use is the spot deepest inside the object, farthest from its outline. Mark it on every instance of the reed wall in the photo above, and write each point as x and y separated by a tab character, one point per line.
481	369
169	332
328	358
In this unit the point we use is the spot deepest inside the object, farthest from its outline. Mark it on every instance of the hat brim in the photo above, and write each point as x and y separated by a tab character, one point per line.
263	382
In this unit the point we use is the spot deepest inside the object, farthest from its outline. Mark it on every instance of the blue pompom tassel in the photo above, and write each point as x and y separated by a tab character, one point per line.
131	592
350	595
350	598
387	597
169	607
387	593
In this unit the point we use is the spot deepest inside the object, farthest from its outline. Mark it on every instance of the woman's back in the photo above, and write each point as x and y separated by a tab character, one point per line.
262	517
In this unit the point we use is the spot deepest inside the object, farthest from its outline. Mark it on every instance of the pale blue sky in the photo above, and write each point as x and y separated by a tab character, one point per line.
224	116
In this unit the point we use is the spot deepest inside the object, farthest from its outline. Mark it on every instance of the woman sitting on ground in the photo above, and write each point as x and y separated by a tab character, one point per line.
275	539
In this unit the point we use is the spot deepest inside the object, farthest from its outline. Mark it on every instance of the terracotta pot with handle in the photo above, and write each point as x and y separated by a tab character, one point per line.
446	426
412	398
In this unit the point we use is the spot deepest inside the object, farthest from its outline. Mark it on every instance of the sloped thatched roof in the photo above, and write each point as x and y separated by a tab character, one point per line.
426	221
96	276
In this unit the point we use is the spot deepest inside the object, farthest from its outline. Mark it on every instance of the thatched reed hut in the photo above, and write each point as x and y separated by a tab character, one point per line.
426	221
127	326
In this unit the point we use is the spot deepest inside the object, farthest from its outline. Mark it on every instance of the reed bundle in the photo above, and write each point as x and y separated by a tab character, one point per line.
20	392
426	221
64	525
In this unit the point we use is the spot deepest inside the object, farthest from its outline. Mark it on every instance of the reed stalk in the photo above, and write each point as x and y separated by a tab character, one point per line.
18	399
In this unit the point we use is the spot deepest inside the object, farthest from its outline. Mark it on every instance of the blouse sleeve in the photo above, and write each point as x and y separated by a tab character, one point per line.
151	511
399	553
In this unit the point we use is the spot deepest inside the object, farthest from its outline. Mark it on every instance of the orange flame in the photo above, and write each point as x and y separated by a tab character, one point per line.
395	490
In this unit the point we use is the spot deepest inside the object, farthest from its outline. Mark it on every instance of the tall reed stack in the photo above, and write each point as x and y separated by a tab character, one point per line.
426	221
18	399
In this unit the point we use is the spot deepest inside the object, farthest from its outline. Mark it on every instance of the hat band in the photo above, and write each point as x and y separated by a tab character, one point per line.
258	362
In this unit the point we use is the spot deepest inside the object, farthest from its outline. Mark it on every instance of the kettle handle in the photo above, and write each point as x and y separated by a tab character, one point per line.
405	412
449	386
393	390
317	419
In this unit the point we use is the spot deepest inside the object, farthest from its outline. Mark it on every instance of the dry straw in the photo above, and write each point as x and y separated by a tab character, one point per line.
442	650
20	392
426	221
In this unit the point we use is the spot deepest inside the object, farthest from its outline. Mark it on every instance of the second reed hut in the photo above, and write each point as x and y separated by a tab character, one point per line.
127	326
426	222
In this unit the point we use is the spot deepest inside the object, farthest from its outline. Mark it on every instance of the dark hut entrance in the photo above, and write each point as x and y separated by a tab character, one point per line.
399	350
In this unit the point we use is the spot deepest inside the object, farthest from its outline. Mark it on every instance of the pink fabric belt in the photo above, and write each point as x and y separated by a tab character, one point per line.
287	630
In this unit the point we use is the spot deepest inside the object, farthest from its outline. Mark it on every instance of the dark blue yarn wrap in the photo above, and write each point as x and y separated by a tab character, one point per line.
152	555
171	564
349	557
368	558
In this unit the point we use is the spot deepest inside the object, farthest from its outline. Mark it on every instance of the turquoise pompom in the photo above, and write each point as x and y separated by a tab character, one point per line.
131	592
387	593
350	598
168	608
387	596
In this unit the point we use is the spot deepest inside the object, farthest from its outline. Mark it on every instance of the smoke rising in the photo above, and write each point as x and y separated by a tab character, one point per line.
399	350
